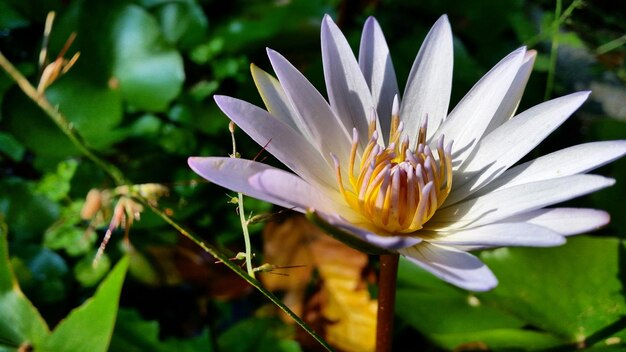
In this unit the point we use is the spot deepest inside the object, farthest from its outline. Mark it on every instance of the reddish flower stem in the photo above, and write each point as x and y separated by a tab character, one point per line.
386	301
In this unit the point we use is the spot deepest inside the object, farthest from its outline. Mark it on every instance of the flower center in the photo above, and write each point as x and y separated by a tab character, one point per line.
396	188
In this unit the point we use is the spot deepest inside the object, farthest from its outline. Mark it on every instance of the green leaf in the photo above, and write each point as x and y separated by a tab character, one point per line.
88	273
569	295
452	317
182	22
499	340
11	147
93	110
150	74
49	274
10	18
90	326
574	291
259	335
31	127
56	186
21	324
133	334
417	302
26	213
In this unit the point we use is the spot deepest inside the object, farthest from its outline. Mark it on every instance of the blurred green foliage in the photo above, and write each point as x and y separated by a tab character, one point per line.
141	96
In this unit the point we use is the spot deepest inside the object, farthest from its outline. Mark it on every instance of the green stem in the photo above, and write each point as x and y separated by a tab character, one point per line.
556	23
252	281
242	212
553	51
246	234
60	121
386	301
612	45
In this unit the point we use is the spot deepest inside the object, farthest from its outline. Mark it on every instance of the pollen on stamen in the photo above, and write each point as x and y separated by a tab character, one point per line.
394	187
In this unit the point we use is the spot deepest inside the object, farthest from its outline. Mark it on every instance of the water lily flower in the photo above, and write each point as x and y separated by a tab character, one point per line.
403	174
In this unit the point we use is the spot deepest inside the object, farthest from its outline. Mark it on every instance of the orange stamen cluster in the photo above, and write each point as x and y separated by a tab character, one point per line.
396	188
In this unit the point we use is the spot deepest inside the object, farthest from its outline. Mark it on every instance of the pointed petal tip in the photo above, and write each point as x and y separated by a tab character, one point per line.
443	24
444	18
532	53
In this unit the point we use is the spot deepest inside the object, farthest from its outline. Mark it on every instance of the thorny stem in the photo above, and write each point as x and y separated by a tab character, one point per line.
119	179
242	212
386	301
232	266
60	121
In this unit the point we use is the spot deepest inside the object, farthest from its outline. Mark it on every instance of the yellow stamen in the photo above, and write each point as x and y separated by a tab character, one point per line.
395	188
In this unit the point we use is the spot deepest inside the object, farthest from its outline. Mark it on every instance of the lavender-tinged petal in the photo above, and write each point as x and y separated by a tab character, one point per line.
429	85
348	92
502	234
323	128
565	162
280	140
452	265
377	68
234	174
290	188
468	121
505	146
499	205
386	242
265	182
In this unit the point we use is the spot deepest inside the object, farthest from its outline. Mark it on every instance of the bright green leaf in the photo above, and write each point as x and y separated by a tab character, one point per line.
89	273
21	324
573	291
90	326
56	185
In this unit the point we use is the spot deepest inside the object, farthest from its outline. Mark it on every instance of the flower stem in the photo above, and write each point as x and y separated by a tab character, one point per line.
386	301
242	212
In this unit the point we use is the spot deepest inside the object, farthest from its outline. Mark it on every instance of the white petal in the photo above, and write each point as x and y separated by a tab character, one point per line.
323	128
348	92
468	121
565	162
259	180
429	84
500	235
500	149
514	95
280	140
377	68
292	189
274	98
565	221
452	265
515	200
387	242
234	174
